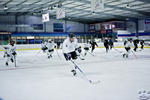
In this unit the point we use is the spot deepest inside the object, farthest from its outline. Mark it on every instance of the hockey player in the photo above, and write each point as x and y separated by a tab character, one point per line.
43	46
11	54
135	42
50	46
127	48
106	45
125	42
93	44
111	44
58	44
86	48
142	44
70	46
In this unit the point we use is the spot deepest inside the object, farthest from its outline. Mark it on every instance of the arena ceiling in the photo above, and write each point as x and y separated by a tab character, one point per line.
78	10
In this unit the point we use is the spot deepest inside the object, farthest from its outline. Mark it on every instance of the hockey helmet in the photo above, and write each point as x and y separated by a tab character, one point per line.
49	40
71	35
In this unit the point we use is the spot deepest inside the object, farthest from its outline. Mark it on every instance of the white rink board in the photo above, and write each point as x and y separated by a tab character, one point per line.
38	46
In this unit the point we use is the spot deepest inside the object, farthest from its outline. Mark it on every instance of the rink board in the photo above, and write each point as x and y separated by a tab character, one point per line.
38	46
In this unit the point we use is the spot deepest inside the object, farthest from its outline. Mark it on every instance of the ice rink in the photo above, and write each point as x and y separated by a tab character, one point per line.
38	78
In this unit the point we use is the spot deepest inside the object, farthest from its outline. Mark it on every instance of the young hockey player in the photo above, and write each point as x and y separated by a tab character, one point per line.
106	44
58	44
124	43
127	48
11	54
50	46
70	46
135	42
110	42
86	48
43	46
93	44
142	44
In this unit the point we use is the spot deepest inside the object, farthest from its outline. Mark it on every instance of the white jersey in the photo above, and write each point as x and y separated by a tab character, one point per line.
11	49
69	46
86	45
50	46
44	44
128	44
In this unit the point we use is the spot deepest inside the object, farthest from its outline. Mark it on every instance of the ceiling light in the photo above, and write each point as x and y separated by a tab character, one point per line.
55	6
93	13
5	7
127	18
128	6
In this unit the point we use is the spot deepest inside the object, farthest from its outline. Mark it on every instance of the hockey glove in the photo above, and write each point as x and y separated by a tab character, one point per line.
14	53
79	49
67	56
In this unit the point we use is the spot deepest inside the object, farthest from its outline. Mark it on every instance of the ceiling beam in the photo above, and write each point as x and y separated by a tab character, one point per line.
82	11
8	2
100	13
17	4
30	4
128	9
115	7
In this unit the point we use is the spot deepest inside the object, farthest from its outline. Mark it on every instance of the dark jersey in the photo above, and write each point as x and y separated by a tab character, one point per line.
106	43
125	42
110	42
93	44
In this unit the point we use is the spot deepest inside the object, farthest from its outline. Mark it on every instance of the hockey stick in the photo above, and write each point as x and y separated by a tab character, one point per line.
134	54
90	53
38	52
81	54
90	81
58	54
15	60
117	50
81	58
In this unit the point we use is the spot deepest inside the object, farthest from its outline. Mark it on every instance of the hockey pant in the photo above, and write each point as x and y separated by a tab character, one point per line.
135	47
10	57
142	46
71	56
107	48
86	51
93	47
44	48
50	52
128	50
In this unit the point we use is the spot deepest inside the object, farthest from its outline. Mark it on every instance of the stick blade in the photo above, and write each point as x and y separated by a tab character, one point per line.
94	82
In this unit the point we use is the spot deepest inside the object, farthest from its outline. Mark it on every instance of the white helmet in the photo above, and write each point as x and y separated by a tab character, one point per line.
49	40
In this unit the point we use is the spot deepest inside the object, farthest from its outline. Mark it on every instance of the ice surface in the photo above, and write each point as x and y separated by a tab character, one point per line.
39	78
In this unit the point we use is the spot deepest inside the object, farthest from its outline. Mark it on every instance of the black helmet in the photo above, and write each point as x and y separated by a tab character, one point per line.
11	41
71	35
